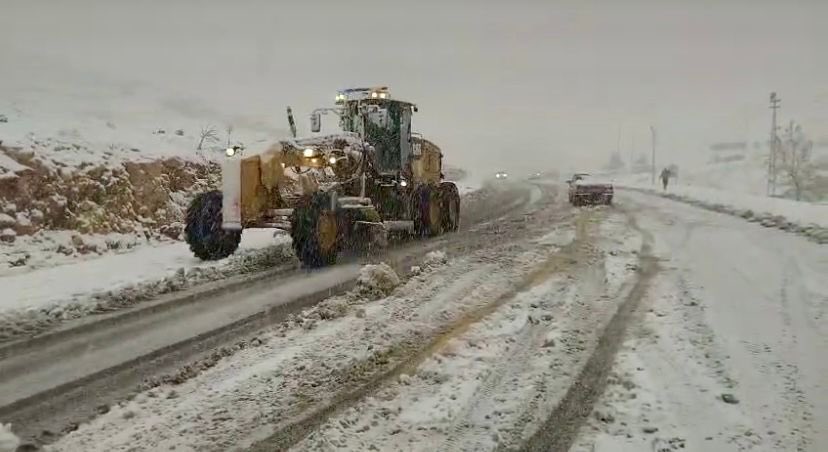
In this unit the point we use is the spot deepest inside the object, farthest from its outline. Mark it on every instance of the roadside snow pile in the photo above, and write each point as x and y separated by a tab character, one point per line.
806	219
377	280
41	298
8	440
431	260
434	258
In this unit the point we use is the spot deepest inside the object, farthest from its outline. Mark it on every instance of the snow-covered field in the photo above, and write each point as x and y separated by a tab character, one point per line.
728	352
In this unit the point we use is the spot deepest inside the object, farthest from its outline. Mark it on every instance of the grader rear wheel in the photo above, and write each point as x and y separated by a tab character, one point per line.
326	230
451	206
315	230
427	211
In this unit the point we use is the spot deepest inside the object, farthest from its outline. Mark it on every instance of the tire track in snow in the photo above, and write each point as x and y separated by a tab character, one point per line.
412	355
560	429
798	406
530	339
502	375
461	433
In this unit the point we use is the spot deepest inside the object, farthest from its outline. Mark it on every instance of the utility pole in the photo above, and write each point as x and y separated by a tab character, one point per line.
774	105
632	154
652	160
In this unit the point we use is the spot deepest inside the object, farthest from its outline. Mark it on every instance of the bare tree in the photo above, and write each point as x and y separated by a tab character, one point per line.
795	159
209	135
229	133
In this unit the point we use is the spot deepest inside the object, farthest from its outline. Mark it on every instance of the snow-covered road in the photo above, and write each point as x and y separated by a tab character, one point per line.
59	377
730	351
263	396
650	325
42	298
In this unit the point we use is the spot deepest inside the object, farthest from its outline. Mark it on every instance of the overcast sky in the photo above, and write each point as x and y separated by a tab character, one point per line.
504	84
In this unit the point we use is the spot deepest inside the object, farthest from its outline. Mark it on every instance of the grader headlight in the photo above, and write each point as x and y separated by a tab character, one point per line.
309	152
233	151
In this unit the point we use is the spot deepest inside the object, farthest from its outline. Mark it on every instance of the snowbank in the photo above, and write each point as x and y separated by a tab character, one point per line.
807	219
378	280
37	299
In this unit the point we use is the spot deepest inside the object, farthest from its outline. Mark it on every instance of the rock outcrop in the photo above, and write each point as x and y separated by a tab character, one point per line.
100	199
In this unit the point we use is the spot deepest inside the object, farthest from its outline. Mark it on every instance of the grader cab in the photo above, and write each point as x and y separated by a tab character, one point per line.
350	189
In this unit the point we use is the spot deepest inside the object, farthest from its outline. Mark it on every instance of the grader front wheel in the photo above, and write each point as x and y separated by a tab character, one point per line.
203	232
315	230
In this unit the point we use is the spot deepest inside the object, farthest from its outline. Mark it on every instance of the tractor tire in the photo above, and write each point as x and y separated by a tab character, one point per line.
316	231
203	232
426	211
451	206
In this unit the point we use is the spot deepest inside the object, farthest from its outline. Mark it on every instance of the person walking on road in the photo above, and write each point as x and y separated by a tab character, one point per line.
665	178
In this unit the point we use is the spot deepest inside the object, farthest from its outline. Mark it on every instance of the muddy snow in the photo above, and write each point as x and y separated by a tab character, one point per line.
335	347
469	349
492	382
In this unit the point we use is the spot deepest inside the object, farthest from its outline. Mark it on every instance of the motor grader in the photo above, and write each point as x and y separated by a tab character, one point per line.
332	192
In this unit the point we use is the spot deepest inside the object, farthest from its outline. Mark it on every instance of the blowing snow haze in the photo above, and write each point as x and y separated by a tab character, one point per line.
506	85
177	274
